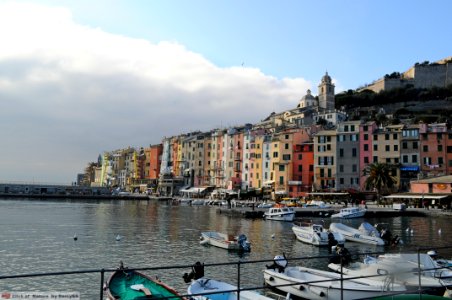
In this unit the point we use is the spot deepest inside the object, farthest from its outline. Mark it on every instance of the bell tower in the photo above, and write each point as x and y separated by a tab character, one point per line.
326	93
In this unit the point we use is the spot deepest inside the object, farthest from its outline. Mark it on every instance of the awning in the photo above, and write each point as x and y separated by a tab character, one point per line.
408	168
269	182
328	194
193	190
416	196
281	193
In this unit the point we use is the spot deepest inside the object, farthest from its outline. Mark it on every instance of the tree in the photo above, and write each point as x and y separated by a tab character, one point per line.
379	177
89	174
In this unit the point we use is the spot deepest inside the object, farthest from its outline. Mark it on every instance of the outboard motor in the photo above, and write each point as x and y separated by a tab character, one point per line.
279	263
386	236
197	271
243	242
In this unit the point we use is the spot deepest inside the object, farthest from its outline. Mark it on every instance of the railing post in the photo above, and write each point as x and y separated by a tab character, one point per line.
342	277
238	280
419	271
102	271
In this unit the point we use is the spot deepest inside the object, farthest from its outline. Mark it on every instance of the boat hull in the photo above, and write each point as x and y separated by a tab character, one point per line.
349	213
285	214
205	285
222	240
355	235
313	235
307	283
120	283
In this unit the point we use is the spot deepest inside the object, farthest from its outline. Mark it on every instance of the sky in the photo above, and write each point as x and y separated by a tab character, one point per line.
78	78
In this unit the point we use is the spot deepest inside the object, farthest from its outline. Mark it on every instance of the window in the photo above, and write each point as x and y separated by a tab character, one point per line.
366	147
449	149
287	136
352	127
387	136
354	152
365	128
281	168
375	159
341	168
286	157
366	159
375	147
275	154
440	160
375	137
281	180
341	180
396	147
388	160
300	168
387	148
354	168
405	158
311	168
394	136
366	137
440	148
414	158
404	145
346	128
415	146
341	152
286	146
425	148
450	163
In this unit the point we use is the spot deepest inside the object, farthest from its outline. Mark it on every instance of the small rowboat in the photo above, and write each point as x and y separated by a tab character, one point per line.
225	241
127	284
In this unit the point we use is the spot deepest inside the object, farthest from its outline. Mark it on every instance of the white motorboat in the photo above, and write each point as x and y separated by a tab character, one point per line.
317	204
350	212
226	241
222	290
315	234
315	284
360	235
198	202
280	213
266	205
403	268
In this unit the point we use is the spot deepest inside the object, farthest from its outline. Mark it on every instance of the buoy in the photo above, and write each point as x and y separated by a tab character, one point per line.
118	237
75	237
273	236
439	231
408	229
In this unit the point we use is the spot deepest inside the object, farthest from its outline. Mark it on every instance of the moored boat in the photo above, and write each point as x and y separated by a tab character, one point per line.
280	213
128	284
358	235
226	241
315	234
222	290
315	284
402	268
350	212
201	287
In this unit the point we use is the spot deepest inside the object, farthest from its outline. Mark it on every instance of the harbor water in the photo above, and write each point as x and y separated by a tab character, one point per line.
38	236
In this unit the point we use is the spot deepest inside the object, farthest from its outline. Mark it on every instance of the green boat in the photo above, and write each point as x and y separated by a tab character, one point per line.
127	284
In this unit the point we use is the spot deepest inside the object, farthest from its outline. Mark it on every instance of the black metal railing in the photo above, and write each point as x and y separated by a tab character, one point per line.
240	264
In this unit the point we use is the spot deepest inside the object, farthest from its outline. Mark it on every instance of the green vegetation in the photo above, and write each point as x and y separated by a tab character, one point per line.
366	98
379	177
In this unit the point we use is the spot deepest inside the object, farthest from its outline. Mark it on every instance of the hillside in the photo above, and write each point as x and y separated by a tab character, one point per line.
432	105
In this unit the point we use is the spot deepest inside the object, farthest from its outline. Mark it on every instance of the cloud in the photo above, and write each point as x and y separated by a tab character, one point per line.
69	92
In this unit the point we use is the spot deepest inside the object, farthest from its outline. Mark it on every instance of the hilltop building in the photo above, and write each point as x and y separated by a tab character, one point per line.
421	75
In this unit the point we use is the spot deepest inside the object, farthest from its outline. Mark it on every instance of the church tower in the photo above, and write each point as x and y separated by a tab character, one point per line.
326	93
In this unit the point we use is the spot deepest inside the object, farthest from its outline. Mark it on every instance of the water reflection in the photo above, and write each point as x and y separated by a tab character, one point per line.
37	236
